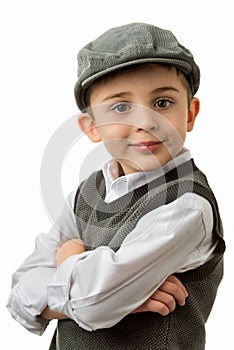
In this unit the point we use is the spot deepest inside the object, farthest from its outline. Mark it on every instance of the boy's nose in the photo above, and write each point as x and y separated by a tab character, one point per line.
146	119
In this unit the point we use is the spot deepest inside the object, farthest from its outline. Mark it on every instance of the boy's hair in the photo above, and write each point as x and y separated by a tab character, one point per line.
143	66
130	45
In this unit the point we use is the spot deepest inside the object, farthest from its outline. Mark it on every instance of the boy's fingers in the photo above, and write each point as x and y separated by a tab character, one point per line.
175	290
158	307
162	304
163	300
175	280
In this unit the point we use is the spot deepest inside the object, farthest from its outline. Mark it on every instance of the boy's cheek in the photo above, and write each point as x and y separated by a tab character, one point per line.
115	147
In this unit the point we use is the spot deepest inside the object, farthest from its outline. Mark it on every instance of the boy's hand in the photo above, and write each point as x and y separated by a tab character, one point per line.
69	248
164	299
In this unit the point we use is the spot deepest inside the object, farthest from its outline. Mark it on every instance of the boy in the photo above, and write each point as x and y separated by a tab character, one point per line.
147	214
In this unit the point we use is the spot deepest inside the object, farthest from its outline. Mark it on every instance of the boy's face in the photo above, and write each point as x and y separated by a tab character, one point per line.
141	116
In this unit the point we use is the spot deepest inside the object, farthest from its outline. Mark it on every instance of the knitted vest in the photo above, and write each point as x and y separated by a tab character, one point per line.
108	224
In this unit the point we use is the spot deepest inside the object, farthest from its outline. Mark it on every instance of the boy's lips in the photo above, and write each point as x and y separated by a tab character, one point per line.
147	146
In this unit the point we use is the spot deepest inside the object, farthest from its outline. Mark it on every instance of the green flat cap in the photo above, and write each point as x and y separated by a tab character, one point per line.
127	45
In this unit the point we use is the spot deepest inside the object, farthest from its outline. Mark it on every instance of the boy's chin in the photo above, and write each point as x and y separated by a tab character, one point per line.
150	164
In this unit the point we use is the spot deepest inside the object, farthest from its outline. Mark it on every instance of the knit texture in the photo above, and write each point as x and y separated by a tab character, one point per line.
108	224
128	45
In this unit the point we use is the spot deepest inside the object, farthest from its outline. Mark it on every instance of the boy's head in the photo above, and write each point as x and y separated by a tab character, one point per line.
140	108
130	45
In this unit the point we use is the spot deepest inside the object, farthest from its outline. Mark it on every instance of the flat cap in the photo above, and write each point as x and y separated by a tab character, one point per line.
128	45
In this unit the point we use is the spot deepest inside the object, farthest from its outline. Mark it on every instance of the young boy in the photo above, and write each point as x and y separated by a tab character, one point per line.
144	222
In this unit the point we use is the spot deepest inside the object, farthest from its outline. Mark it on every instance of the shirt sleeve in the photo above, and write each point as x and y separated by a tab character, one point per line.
98	288
28	296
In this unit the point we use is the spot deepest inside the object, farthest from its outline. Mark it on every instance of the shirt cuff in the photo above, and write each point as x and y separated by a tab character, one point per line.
28	299
24	313
58	291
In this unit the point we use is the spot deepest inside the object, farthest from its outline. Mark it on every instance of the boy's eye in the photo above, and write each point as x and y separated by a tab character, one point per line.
162	103
121	107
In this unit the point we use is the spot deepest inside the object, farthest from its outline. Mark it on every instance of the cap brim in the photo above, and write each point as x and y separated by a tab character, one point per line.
81	87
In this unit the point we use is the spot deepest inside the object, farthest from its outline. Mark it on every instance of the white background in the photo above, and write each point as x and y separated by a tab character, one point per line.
38	48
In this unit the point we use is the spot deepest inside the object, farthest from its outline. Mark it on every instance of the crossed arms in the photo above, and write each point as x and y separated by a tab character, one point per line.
162	301
97	288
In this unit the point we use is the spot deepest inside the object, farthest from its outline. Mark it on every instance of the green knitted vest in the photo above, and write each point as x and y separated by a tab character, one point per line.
108	224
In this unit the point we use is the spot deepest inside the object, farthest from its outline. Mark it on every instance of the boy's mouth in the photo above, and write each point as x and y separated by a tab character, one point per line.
147	146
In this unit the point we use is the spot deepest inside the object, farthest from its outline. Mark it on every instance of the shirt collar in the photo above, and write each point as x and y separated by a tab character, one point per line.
116	187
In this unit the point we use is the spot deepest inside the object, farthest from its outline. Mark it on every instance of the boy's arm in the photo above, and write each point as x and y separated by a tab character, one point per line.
28	296
69	248
32	287
162	301
96	280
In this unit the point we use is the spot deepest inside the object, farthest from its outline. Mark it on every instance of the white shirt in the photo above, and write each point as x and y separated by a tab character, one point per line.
98	288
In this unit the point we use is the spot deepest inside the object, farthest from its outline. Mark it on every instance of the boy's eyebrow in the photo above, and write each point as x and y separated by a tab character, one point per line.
164	88
119	94
126	93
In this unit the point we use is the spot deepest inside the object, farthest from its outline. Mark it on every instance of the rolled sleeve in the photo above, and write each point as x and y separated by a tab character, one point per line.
26	303
28	297
58	291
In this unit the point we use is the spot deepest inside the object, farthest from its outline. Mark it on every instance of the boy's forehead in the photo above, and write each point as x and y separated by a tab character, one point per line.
147	79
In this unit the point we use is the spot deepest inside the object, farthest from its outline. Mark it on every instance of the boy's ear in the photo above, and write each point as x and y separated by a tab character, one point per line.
88	126
192	113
